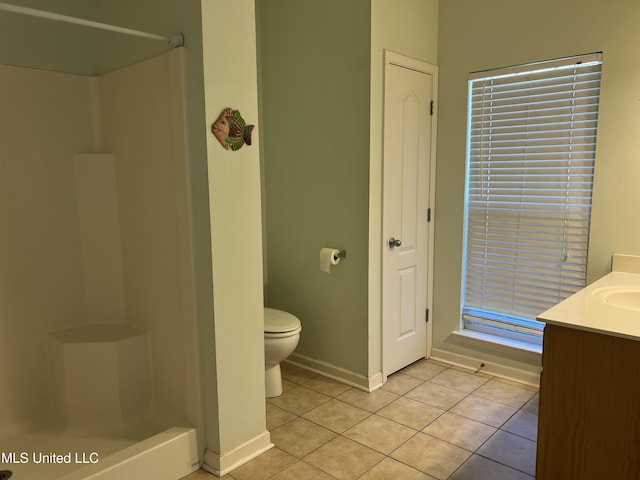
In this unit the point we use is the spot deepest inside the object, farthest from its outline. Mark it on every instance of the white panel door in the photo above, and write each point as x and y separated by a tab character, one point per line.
406	183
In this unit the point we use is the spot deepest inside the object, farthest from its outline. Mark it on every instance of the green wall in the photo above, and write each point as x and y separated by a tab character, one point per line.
315	61
52	45
496	33
322	106
45	44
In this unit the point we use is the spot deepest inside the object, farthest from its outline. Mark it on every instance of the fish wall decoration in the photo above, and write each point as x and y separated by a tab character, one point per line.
231	130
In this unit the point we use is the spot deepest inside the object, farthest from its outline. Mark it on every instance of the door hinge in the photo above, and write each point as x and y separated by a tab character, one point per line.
426	316
431	108
428	214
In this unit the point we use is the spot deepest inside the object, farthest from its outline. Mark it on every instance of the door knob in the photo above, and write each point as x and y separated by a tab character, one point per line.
394	242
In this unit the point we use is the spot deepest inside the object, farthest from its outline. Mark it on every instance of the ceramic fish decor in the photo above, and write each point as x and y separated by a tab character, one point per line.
231	130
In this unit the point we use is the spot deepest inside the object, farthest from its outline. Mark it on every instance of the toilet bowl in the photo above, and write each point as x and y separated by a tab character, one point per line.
281	335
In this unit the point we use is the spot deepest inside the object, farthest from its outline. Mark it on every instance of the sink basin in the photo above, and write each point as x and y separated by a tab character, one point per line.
627	297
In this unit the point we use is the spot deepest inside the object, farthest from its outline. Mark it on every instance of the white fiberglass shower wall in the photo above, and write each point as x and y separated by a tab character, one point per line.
97	322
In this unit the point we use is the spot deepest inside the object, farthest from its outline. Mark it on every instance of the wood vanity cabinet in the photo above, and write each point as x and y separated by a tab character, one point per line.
589	420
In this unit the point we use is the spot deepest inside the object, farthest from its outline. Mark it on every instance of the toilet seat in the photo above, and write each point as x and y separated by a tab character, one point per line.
281	335
280	324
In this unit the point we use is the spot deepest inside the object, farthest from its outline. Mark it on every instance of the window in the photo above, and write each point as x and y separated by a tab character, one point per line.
530	164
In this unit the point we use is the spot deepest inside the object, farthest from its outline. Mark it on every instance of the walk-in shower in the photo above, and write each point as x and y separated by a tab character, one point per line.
98	359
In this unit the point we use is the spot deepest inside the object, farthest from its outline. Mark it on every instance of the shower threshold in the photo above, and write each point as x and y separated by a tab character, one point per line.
30	456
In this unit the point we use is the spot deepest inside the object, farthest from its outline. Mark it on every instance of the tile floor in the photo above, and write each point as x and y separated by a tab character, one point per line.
429	421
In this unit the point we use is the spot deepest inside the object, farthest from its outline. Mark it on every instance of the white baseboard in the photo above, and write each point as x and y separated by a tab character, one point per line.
221	464
368	384
518	375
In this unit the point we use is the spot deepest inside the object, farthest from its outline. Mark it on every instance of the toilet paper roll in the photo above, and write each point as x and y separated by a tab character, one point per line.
328	257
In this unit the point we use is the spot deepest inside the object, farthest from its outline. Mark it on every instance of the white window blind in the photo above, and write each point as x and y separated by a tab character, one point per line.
530	165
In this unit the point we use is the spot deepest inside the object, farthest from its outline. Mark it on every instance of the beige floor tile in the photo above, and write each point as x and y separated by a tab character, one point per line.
458	380
524	424
326	386
295	374
301	471
436	395
287	385
411	413
343	459
299	400
507	393
431	455
483	410
423	369
336	415
390	469
203	475
423	424
533	405
263	466
277	416
400	383
380	434
511	450
480	468
300	437
460	431
371	402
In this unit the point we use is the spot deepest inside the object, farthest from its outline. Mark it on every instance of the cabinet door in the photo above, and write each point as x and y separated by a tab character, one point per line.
589	421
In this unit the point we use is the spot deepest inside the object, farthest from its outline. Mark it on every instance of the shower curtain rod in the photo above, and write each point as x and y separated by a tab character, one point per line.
175	40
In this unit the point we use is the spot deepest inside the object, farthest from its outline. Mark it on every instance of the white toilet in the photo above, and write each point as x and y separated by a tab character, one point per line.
281	335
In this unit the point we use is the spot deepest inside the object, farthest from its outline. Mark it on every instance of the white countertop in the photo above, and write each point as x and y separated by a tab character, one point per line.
586	311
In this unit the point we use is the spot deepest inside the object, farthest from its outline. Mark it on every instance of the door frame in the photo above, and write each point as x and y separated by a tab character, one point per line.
399	60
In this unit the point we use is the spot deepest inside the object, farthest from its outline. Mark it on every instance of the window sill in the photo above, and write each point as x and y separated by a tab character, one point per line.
506	345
